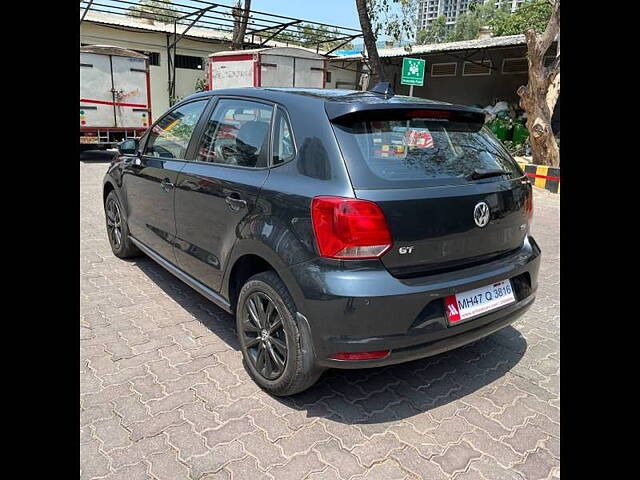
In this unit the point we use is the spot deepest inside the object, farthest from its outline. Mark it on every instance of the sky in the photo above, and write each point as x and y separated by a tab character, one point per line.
335	12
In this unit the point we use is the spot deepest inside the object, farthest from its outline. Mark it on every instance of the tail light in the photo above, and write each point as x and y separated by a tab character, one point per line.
349	228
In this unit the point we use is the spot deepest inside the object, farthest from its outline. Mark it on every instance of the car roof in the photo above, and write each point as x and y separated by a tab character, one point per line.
335	99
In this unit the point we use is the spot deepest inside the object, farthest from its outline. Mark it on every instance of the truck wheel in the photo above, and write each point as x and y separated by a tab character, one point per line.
117	228
270	339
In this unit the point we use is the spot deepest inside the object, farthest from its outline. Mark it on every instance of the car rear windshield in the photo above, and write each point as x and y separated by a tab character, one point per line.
418	152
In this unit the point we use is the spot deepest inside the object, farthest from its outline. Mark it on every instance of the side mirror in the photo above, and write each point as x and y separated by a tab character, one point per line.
129	147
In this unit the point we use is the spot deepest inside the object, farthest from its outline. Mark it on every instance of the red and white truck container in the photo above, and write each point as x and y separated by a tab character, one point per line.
267	67
115	96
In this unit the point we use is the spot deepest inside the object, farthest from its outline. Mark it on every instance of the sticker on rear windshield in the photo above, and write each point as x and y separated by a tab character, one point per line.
419	138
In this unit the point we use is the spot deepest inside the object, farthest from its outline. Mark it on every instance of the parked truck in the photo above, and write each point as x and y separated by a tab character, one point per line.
267	67
115	97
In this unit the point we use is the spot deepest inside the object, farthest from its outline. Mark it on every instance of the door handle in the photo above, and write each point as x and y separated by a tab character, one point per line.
166	185
235	203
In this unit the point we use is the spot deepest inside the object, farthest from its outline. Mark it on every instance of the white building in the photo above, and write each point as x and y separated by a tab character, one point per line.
429	10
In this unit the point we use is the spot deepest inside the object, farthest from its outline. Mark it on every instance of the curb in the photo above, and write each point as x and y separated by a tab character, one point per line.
542	176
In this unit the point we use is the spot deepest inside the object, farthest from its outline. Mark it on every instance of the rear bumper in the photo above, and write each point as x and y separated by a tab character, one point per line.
362	308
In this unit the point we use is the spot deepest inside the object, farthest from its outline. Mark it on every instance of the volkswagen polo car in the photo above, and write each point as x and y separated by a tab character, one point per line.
342	229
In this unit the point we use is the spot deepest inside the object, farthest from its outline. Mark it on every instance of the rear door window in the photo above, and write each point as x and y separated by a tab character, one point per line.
237	134
416	152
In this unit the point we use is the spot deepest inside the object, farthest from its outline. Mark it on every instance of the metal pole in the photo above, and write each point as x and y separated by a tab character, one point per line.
411	91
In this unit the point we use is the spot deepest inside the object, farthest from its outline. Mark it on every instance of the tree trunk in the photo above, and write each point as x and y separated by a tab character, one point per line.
538	98
375	66
241	18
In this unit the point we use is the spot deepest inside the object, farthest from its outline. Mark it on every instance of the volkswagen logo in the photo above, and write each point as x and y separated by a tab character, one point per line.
481	214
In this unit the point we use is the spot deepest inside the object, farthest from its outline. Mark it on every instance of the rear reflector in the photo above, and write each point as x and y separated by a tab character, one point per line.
349	228
529	206
360	355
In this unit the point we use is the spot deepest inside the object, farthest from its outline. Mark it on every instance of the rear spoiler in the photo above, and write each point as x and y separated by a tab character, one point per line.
348	112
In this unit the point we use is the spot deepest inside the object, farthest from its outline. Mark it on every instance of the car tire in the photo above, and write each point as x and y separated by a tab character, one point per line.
121	244
298	372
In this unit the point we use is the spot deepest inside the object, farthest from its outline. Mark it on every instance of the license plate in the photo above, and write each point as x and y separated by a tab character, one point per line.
472	303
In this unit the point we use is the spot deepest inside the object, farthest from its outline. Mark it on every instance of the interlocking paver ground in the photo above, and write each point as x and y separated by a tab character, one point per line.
163	393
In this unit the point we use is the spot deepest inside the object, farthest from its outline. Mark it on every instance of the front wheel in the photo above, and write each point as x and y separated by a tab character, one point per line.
270	339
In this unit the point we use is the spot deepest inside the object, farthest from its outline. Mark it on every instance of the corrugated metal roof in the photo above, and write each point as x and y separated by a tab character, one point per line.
506	41
274	50
157	26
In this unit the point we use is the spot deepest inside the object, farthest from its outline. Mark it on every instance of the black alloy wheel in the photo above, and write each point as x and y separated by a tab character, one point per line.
114	223
264	335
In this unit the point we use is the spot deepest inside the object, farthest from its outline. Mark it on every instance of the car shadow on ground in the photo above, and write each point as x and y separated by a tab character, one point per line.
371	396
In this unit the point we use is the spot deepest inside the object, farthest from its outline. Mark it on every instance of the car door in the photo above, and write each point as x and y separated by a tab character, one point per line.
149	178
216	194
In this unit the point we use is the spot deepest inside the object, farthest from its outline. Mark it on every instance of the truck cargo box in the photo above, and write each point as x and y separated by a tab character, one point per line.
115	99
267	67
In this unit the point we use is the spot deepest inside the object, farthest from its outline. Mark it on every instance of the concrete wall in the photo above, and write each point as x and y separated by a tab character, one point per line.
155	42
343	75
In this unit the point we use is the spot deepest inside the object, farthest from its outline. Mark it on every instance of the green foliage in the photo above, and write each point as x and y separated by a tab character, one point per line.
309	36
468	24
153	10
202	85
395	18
467	28
435	33
534	14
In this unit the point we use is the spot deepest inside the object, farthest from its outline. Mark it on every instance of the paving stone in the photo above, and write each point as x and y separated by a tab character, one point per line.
171	402
165	466
377	449
186	441
154	425
131	409
333	454
217	458
273	425
299	466
137	452
111	433
199	417
538	465
266	453
228	431
247	468
456	458
411	460
93	463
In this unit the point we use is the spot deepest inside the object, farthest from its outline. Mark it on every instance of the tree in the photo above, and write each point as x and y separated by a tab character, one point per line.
467	28
375	66
240	20
434	33
153	10
309	35
538	98
534	14
469	23
395	18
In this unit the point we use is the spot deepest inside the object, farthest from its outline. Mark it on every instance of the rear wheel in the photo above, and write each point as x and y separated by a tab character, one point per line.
117	229
270	339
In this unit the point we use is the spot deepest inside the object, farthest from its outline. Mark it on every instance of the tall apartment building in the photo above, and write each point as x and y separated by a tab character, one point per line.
429	10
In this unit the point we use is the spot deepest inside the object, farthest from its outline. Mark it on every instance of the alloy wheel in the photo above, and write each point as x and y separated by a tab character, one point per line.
264	335
114	223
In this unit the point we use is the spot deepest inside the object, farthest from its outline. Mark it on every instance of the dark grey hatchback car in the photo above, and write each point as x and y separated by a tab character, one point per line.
344	229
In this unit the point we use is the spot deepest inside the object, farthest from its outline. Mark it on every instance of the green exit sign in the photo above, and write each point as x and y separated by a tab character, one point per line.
412	71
